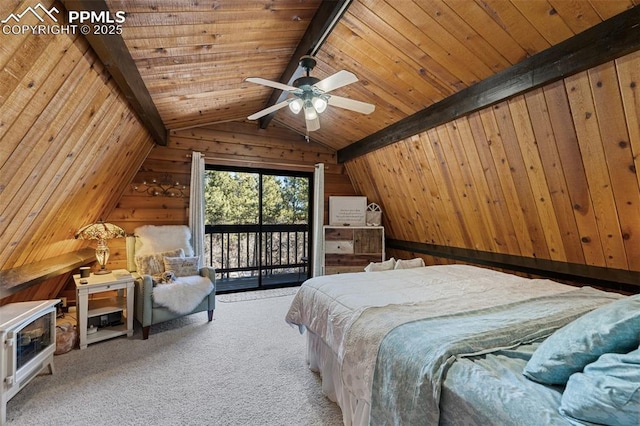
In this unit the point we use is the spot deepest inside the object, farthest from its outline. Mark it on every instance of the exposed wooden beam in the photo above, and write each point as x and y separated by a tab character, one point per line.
17	279
615	279
319	29
604	42
116	58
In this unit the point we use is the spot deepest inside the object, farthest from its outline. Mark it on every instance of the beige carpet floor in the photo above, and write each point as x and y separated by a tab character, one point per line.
254	295
247	367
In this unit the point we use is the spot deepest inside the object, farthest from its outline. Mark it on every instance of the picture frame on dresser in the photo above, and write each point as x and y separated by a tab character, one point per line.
347	211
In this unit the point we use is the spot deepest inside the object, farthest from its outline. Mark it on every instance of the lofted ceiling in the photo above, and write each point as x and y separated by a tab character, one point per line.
194	55
513	123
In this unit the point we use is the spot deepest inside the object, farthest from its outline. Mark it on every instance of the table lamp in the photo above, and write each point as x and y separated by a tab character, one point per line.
101	231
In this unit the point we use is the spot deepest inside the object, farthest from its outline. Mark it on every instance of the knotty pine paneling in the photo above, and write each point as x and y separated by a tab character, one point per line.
69	144
240	144
194	57
551	174
629	75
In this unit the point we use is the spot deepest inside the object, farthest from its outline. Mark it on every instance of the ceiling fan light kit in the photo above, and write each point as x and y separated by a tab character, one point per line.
319	103
296	105
310	112
311	95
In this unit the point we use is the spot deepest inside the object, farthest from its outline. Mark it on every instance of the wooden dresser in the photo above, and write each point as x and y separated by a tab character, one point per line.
351	248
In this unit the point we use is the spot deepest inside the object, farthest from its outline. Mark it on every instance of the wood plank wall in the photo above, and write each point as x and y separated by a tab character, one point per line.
551	174
241	144
69	143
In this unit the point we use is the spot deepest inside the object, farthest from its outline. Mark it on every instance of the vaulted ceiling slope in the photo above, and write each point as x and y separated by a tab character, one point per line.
71	140
549	175
194	56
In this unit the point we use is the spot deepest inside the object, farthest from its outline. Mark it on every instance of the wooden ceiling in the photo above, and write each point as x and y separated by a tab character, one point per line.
193	56
554	168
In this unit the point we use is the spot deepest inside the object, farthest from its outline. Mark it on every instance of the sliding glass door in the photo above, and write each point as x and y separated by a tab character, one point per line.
257	227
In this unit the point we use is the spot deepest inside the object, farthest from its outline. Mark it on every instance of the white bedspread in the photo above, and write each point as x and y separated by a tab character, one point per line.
330	306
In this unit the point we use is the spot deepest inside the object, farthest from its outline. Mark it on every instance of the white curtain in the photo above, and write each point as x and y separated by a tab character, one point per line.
318	219
196	205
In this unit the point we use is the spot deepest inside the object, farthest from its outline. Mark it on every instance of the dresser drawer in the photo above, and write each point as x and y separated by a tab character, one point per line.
344	247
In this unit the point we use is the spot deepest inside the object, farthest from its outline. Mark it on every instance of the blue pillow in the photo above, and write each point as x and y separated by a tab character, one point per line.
612	328
607	392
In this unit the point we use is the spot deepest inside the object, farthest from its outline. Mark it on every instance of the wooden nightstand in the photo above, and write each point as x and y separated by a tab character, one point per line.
101	318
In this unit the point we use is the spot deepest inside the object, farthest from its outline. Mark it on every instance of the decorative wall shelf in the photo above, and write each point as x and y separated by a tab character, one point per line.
165	187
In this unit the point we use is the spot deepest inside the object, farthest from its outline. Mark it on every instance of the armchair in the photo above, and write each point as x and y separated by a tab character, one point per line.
152	240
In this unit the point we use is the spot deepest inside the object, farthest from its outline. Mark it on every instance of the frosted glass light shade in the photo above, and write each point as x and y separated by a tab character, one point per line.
295	106
319	104
310	112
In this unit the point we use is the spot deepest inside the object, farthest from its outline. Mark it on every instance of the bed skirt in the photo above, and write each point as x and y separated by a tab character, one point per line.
323	360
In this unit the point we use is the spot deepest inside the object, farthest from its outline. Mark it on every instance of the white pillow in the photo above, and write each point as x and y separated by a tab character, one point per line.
381	266
418	262
155	239
152	264
182	266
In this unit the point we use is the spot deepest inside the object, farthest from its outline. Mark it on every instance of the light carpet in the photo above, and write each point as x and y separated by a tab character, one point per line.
247	367
254	295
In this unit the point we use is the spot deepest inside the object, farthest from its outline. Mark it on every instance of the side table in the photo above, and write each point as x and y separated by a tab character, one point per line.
104	317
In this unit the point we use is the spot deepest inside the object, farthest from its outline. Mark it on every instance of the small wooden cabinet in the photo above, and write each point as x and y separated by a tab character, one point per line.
351	248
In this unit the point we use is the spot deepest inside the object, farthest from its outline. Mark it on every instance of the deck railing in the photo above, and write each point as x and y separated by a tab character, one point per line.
240	251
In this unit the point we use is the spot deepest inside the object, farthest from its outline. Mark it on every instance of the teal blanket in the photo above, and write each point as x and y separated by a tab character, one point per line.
413	358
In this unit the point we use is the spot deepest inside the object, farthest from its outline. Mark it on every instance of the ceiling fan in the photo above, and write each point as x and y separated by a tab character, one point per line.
311	95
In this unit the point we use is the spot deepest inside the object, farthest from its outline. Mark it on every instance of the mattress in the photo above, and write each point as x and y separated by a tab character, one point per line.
350	315
477	391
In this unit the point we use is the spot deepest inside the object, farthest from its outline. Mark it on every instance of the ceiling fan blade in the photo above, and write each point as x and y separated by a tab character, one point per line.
350	104
339	79
313	125
269	110
270	83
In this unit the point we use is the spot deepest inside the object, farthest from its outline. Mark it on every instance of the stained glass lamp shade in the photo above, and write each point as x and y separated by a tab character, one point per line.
101	231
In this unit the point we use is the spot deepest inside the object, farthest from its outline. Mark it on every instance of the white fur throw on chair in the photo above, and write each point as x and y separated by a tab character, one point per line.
155	239
184	294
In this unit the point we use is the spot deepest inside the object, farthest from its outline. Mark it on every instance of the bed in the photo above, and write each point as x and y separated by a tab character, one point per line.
457	344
